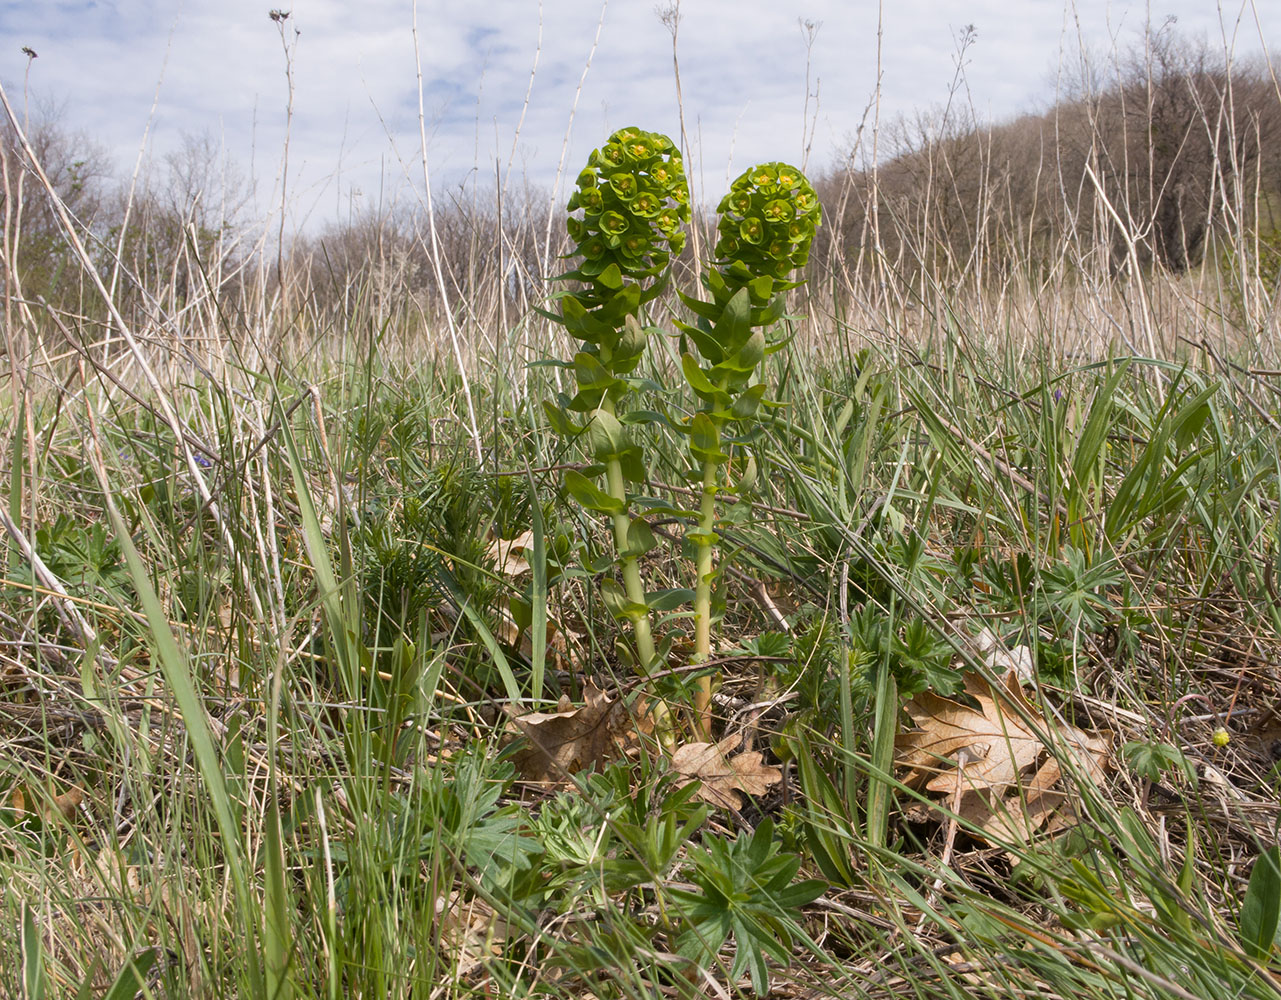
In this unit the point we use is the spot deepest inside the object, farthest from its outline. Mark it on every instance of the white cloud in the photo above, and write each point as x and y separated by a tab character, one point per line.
221	67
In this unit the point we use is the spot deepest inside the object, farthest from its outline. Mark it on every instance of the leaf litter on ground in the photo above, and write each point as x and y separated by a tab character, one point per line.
988	759
571	739
575	738
724	777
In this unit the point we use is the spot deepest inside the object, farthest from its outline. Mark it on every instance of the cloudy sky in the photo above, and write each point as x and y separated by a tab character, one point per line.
122	70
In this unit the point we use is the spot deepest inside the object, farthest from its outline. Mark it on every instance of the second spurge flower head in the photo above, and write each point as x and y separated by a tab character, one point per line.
768	221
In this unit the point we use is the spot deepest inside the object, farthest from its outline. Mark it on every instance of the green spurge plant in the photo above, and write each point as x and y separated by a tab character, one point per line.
634	200
767	224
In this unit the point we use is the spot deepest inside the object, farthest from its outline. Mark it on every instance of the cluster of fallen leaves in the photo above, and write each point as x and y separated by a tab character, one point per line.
983	760
558	744
986	760
555	745
988	764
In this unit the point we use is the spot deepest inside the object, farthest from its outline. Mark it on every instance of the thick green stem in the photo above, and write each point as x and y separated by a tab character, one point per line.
633	586
703	596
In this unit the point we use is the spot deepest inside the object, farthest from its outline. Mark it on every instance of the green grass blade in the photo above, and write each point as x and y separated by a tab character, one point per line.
1261	909
129	981
174	667
538	593
277	935
34	979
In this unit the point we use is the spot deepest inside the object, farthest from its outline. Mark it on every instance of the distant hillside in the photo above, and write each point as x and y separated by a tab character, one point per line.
1176	155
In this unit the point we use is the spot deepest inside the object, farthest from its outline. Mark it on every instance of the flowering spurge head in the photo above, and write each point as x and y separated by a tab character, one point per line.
634	200
768	221
767	224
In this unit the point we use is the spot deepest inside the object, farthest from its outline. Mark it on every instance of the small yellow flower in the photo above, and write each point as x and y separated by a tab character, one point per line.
1221	737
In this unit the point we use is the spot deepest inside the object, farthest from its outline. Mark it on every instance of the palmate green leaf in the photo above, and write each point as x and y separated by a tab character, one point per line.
747	894
1154	760
799	894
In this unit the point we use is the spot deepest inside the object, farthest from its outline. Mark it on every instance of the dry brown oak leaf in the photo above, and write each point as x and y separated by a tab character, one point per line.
569	740
995	770
724	777
511	555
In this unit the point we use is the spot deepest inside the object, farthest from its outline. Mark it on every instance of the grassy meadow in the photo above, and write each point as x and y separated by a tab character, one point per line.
311	685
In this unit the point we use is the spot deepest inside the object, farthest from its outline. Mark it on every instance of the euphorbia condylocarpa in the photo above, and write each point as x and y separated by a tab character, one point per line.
634	200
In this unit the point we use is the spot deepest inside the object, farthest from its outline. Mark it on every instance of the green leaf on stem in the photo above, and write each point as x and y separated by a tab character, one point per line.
1261	909
748	402
617	604
735	324
705	439
589	496
640	537
559	419
605	436
669	599
612	277
695	376
747	357
632	464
